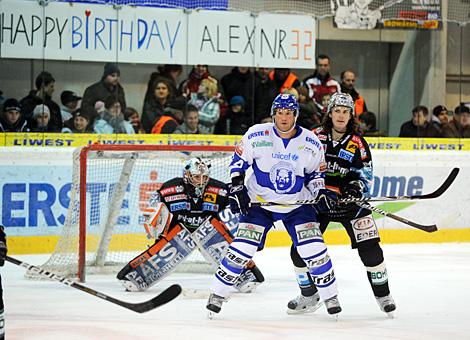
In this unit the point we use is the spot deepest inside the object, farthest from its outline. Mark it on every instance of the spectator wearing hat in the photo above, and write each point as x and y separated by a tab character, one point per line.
45	86
132	116
108	86
40	120
439	116
69	102
112	120
459	126
238	121
190	121
172	116
11	118
80	123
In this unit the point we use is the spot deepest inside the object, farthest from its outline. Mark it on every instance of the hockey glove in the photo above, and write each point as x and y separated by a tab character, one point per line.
353	189
3	246
327	200
238	196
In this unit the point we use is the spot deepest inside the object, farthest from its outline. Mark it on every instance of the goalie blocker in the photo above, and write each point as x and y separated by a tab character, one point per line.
212	239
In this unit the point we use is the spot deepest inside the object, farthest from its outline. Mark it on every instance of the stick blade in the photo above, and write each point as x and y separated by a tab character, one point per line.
164	297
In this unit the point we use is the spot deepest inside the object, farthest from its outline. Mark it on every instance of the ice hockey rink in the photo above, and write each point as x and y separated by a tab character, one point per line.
430	284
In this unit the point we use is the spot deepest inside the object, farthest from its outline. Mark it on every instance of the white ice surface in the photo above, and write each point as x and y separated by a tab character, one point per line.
430	284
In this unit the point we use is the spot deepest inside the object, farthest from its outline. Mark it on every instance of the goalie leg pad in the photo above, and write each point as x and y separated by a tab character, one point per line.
158	261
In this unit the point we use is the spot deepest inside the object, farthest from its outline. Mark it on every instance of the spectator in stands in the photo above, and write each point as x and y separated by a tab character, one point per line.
439	116
70	101
170	73
108	86
132	116
206	100
419	125
284	79
304	119
237	120
191	121
307	106
99	108
40	119
239	82
172	116
112	120
348	79
368	124
155	103
321	82
191	85
79	123
45	85
265	92
11	118
459	127
323	105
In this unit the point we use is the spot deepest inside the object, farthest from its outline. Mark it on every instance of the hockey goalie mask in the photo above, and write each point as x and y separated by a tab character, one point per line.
341	99
196	173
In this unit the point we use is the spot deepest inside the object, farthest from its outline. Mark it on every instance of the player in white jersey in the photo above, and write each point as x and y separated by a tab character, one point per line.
288	164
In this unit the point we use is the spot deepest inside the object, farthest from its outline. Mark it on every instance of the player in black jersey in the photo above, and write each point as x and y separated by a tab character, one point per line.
184	215
349	174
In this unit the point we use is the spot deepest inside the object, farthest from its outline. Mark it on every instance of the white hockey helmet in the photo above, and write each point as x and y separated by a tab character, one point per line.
196	173
341	99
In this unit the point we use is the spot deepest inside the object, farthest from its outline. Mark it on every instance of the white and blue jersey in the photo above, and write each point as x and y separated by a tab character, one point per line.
283	169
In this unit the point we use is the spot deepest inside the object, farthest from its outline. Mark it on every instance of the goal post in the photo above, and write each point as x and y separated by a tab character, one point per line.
111	187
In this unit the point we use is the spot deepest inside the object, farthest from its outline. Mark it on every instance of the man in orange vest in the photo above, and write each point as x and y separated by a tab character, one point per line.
284	79
348	78
172	116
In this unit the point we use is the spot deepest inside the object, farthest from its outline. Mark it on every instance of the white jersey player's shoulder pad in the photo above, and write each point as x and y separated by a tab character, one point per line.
311	139
259	130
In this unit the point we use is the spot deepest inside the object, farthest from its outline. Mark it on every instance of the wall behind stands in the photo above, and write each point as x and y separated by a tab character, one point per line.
34	187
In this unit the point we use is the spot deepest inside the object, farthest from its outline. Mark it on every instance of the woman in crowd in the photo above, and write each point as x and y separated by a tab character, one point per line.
113	120
206	100
155	102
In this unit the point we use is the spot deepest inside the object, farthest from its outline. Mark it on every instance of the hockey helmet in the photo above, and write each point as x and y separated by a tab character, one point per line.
285	101
341	99
196	173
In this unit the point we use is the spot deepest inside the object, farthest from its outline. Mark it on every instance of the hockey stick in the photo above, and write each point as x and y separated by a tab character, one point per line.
426	228
436	193
141	307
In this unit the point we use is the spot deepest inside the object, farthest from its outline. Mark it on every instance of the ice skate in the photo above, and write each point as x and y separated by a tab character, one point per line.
332	306
304	304
386	304
214	304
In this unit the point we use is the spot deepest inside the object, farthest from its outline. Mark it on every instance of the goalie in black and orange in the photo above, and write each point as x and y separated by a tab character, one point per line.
183	216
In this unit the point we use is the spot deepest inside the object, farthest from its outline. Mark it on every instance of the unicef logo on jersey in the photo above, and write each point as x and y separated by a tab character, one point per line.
282	176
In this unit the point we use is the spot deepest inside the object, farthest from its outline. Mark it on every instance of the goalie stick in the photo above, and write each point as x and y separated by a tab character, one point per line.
141	307
436	193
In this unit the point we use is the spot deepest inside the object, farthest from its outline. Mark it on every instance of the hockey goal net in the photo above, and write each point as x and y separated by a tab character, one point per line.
111	187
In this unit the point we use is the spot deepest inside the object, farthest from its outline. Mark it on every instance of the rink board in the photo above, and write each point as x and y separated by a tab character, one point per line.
34	181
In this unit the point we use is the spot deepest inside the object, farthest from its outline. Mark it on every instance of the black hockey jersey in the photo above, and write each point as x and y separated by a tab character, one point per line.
187	208
348	159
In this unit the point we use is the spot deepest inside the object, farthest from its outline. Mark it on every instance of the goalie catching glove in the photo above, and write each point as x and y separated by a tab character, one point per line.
157	220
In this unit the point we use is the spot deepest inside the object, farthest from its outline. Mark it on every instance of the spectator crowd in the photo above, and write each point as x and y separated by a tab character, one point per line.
201	104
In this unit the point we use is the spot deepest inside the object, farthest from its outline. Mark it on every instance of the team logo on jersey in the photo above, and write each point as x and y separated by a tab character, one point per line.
210	206
175	198
180	206
352	147
179	188
261	144
346	155
209	197
258	134
282	177
286	157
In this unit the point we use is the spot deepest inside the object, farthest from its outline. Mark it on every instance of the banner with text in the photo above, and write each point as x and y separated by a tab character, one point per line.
89	32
